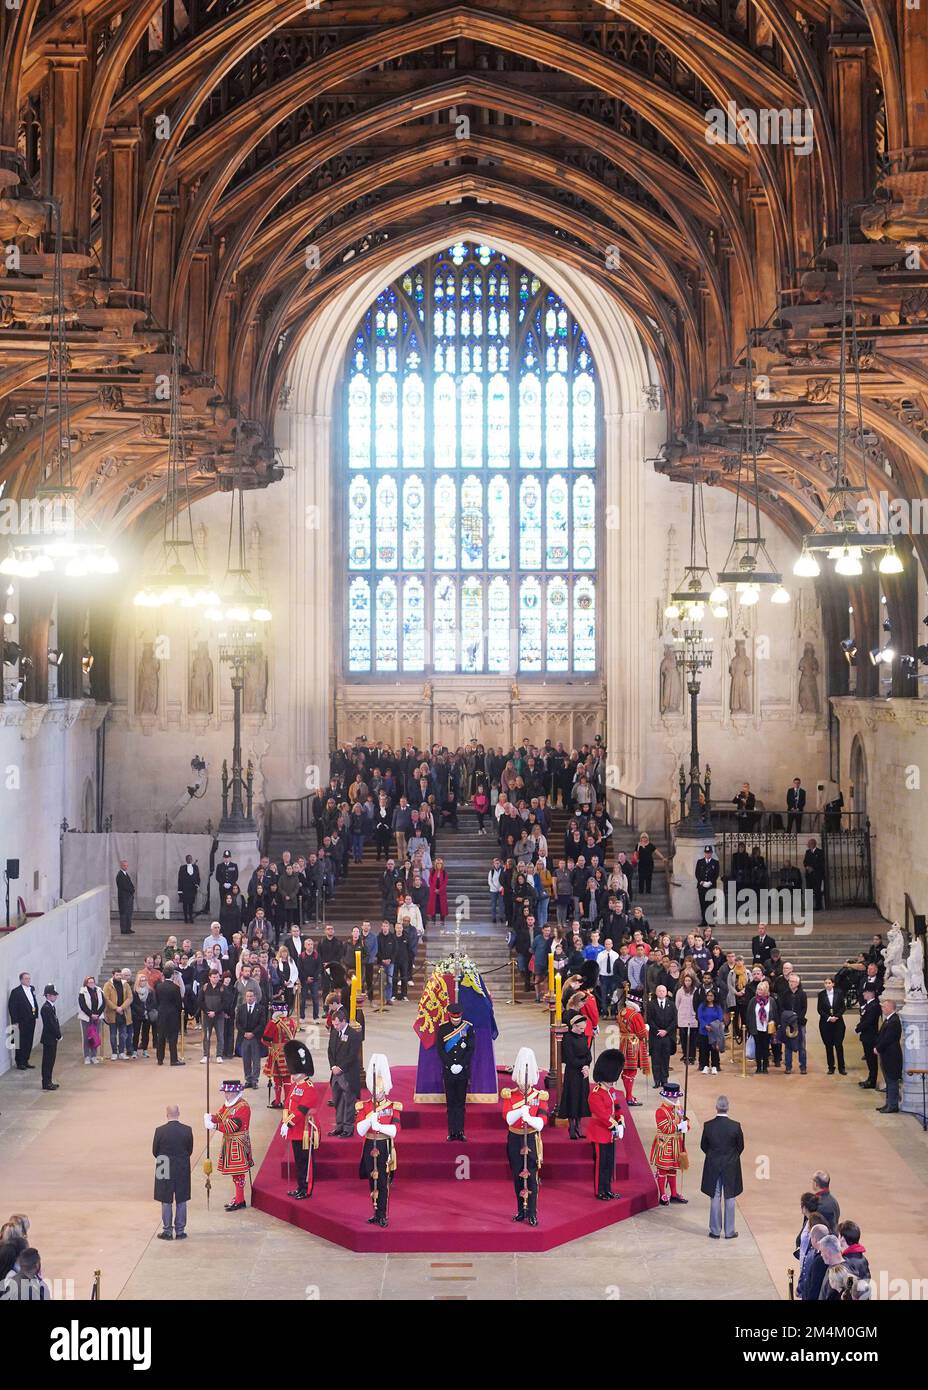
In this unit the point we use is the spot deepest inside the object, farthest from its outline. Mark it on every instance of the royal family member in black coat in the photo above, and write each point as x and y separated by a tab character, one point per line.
171	1149
578	1059
723	1144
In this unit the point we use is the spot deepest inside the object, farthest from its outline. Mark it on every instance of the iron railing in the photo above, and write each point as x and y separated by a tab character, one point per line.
848	868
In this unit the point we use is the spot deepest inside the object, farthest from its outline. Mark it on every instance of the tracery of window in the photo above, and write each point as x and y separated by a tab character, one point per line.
471	475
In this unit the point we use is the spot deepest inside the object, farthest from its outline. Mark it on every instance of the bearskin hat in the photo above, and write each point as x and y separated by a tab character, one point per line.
608	1066
589	973
298	1058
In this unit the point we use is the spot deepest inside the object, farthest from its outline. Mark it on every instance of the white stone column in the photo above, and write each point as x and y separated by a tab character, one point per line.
311	622
621	621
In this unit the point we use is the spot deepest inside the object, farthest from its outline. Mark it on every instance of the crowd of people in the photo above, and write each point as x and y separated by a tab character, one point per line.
833	1265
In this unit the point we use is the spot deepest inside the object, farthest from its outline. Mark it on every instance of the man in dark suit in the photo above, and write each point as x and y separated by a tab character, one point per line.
867	1030
171	1149
762	945
23	1008
661	1019
889	1046
746	803
813	861
795	805
707	876
168	1001
345	1060
51	1036
723	1144
251	1020
125	898
188	881
831	1025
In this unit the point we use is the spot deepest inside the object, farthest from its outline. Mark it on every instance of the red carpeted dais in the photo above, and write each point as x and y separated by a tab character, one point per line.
449	1197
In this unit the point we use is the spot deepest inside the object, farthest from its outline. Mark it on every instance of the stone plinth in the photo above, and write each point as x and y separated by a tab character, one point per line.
914	1052
684	899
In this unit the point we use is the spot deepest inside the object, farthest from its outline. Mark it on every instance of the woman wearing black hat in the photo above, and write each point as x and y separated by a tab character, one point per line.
578	1058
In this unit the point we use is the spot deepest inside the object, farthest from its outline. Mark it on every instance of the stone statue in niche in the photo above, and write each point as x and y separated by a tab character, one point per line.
255	689
201	681
740	669
147	681
469	729
808	682
671	686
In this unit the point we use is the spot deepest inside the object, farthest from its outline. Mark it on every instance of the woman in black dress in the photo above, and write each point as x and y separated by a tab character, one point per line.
578	1058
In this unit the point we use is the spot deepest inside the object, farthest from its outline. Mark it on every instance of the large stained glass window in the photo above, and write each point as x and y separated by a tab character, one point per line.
470	496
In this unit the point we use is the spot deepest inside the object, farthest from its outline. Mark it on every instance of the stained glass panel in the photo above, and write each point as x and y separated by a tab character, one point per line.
557	625
386	432
584	421
530	524
444	555
556	547
530	625
413	422
498	422
445	422
444	625
359	625
471	422
413	524
529	421
584	524
472	625
471	523
498	523
386	524
584	625
359	524
557	437
413	625
359	422
386	639
498	622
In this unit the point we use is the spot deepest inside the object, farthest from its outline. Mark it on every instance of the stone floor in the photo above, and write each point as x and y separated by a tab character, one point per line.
78	1161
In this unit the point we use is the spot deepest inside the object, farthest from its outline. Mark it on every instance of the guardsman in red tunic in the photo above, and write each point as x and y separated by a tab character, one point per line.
377	1121
633	1036
606	1124
280	1030
233	1121
525	1109
668	1151
297	1123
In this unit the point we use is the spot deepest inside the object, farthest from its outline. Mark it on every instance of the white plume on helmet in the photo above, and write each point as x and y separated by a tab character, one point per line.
525	1068
379	1080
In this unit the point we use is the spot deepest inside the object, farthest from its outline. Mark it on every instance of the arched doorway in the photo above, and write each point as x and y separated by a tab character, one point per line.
858	771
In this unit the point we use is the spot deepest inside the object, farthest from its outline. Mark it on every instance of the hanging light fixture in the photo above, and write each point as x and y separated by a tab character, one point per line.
698	589
239	603
838	533
180	578
748	567
52	537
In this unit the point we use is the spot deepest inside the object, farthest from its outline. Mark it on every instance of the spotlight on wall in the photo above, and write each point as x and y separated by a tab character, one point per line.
849	647
9	618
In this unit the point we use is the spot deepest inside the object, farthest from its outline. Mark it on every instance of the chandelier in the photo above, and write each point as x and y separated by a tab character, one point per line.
239	604
51	536
839	532
697	587
748	567
180	578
